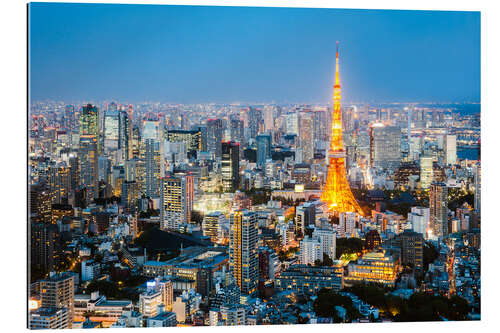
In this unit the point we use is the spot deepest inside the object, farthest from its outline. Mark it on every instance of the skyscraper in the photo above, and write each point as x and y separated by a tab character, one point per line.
176	201
306	136
88	164
230	166
214	137
125	132
111	130
153	156
243	256
256	122
337	193
269	118
89	120
385	146
450	149
237	130
438	204
477	188
426	171
263	148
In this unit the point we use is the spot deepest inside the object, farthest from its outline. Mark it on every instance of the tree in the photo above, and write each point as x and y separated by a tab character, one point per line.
196	216
349	246
327	261
327	300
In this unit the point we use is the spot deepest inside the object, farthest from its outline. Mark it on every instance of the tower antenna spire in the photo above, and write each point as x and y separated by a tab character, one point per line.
337	192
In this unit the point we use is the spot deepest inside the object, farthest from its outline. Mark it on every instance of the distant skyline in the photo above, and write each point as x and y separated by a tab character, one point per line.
191	54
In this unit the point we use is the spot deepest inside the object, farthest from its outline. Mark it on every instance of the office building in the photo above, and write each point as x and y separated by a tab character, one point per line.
237	130
438	207
450	149
305	216
419	217
58	291
186	305
230	166
306	136
233	315
310	251
373	267
243	256
191	138
477	188
310	279
149	302
426	171
263	148
163	319
88	155
176	201
212	224
111	130
385	146
89	121
49	318
328	241
214	137
412	249
125	132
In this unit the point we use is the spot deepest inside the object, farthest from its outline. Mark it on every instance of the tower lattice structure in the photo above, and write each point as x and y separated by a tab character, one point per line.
337	193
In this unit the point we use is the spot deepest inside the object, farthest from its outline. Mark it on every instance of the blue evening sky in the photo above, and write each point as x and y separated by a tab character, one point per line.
189	54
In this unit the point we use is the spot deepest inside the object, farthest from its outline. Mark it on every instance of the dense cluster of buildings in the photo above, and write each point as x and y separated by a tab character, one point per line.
155	215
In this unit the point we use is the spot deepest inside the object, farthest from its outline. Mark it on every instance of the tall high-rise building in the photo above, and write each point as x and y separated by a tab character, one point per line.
256	122
152	145
412	249
320	124
58	291
176	201
243	255
292	123
111	130
348	116
88	156
269	118
385	146
438	204
214	137
230	166
337	193
125	132
306	136
237	130
263	148
426	171
450	149
477	188
89	120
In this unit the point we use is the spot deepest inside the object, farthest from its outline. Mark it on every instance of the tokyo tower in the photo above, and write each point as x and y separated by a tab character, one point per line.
337	193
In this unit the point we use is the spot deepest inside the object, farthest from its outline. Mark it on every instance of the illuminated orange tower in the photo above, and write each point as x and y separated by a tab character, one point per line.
337	193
